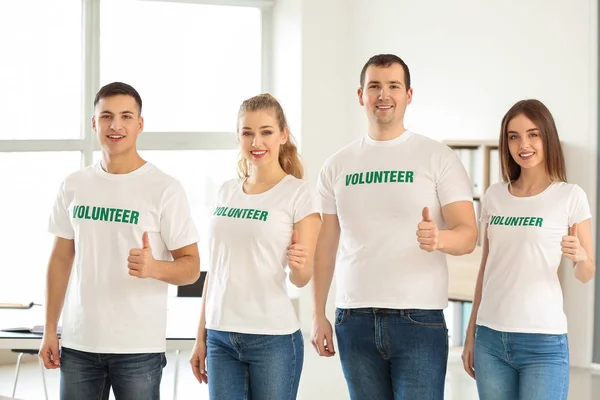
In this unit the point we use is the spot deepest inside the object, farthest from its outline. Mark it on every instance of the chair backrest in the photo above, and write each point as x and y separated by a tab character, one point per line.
193	289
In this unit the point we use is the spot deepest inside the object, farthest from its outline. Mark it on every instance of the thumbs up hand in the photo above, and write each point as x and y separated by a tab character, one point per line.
427	232
297	253
140	261
571	248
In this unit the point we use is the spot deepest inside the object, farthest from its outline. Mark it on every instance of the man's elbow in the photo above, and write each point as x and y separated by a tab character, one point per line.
472	242
193	272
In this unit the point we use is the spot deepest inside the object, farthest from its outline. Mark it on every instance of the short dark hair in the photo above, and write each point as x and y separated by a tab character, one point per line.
385	60
118	88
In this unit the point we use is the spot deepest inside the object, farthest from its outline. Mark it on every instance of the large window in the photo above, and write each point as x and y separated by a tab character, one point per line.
40	72
193	63
193	74
30	181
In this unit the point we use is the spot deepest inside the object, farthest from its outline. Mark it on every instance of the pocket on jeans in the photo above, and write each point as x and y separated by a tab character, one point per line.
428	318
340	315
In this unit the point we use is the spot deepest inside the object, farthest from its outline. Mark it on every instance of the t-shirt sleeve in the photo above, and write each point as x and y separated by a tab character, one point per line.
177	227
307	202
453	183
60	223
579	207
325	190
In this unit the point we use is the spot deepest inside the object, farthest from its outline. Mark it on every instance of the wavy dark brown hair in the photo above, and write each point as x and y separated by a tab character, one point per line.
539	114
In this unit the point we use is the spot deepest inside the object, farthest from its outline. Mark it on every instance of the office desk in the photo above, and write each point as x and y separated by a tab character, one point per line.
183	315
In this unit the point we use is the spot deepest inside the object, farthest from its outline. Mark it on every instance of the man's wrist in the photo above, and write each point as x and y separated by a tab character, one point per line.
154	269
441	240
51	329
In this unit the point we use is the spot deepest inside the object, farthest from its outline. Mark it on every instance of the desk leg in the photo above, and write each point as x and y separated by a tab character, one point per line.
43	376
457	323
17	374
176	374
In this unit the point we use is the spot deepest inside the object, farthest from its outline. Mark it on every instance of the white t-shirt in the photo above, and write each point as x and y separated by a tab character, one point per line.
248	238
378	190
521	290
107	310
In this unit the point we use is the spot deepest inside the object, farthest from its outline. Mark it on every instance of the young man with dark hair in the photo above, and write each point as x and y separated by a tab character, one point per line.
123	232
399	202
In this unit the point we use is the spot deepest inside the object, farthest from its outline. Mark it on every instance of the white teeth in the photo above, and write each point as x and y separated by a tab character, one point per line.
384	107
115	137
526	154
258	153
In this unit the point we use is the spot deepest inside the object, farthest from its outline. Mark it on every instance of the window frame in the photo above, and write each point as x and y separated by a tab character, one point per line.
198	140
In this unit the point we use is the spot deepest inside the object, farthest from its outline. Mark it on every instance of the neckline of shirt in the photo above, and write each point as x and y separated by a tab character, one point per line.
102	173
241	187
387	143
535	196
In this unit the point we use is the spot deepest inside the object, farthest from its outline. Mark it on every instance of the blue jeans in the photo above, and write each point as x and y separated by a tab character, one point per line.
90	375
393	354
261	367
520	366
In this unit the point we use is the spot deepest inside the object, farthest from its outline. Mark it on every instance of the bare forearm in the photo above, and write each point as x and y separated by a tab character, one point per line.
478	286
324	262
201	335
476	303
458	241
182	271
585	270
301	277
322	278
57	280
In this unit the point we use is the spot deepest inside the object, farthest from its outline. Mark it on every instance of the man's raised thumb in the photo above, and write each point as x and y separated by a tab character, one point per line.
426	215
145	241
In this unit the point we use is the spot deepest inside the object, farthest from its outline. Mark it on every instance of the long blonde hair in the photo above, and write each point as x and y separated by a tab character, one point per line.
288	152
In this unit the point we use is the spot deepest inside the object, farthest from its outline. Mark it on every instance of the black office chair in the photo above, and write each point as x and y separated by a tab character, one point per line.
22	352
191	290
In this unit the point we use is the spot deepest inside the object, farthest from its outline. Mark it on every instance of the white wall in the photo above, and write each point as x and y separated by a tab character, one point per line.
321	87
470	61
287	60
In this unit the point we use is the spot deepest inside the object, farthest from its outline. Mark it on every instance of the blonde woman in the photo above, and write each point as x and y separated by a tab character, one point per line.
264	224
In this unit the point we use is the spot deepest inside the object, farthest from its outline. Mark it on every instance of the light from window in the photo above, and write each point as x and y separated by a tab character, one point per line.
34	180
193	64
40	76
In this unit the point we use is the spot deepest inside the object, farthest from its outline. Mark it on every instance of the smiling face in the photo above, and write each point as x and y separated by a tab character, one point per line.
525	143
385	95
529	142
260	137
117	124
